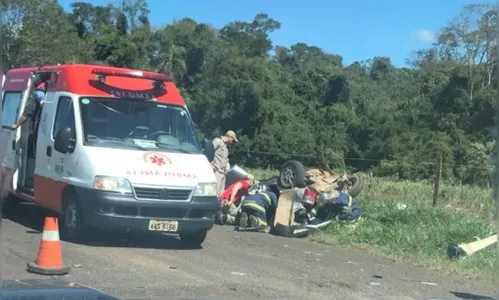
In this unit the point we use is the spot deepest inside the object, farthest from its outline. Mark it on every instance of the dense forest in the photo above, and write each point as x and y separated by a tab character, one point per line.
297	102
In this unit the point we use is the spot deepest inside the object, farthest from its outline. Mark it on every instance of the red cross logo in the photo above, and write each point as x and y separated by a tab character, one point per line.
157	159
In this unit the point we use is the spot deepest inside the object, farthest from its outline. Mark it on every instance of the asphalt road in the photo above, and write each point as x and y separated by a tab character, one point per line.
231	265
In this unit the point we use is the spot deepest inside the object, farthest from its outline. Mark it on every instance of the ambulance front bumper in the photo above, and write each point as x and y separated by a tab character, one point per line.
122	212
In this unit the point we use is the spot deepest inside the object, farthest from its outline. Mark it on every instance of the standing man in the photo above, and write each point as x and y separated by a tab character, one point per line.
219	163
40	91
35	101
31	113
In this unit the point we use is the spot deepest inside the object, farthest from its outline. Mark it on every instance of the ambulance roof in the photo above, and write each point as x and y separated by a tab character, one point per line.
86	80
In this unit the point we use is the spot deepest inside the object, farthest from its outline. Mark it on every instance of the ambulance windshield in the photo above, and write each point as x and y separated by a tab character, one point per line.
121	123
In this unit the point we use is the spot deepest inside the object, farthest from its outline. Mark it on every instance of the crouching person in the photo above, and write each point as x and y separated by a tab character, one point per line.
343	209
231	200
257	212
347	209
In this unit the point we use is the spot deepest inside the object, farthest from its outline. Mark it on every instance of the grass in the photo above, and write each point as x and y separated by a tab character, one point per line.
420	233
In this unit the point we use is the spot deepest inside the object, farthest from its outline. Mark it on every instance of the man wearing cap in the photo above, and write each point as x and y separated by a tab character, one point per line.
35	100
219	163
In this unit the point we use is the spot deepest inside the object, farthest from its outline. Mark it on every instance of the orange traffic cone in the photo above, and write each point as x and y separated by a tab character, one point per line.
49	259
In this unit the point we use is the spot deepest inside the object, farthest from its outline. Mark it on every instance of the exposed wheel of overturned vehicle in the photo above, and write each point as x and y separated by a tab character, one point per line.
357	185
292	174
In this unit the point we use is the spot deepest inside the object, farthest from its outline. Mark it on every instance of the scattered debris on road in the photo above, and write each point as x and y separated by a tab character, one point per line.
420	281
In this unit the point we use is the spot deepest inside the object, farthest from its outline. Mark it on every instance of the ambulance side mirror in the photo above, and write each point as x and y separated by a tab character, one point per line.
65	140
209	150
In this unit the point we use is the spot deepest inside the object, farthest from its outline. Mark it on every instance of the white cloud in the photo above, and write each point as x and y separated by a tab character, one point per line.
426	36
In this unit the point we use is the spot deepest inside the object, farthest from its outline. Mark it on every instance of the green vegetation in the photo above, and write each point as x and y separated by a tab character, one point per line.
419	233
376	117
389	120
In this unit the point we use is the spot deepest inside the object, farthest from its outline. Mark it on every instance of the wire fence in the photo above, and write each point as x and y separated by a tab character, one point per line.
251	153
421	170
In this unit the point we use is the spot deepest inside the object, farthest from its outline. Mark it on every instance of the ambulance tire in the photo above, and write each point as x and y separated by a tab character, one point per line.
73	230
7	204
2	204
193	239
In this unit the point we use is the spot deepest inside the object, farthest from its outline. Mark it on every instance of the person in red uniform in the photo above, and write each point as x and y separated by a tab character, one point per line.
231	199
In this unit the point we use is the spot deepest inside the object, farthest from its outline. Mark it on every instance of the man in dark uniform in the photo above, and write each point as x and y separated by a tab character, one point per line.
31	113
257	211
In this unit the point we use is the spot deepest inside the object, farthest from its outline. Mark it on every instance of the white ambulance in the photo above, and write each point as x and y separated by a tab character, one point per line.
116	149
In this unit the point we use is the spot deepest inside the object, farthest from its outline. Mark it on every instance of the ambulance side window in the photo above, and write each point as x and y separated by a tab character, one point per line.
10	108
64	116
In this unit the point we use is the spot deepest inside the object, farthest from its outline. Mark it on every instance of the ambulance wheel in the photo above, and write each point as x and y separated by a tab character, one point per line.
7	203
72	225
193	239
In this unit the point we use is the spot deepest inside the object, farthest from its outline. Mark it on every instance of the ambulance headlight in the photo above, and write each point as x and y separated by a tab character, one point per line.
112	184
206	189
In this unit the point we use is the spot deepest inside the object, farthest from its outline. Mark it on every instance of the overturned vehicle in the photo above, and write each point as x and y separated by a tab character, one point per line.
307	199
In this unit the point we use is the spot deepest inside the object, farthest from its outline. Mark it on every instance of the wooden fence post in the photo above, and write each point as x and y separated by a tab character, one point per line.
438	174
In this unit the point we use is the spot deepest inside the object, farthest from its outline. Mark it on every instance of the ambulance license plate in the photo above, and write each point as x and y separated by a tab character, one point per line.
169	226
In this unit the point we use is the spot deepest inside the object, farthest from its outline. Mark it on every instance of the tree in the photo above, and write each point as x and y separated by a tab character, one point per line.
297	99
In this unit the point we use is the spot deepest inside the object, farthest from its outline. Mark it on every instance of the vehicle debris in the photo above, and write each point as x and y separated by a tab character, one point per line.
455	251
308	200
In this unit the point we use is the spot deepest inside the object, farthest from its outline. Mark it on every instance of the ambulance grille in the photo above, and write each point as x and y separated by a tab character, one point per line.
162	194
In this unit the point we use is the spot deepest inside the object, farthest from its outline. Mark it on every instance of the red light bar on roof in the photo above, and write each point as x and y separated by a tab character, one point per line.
131	74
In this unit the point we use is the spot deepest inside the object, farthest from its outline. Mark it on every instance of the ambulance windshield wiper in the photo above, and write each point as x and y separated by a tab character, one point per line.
116	141
170	147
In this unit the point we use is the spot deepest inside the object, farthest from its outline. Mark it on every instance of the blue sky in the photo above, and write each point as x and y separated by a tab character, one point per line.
355	29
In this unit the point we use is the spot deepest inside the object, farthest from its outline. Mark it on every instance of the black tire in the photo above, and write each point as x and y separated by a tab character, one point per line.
7	204
219	218
357	185
72	225
292	174
193	239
